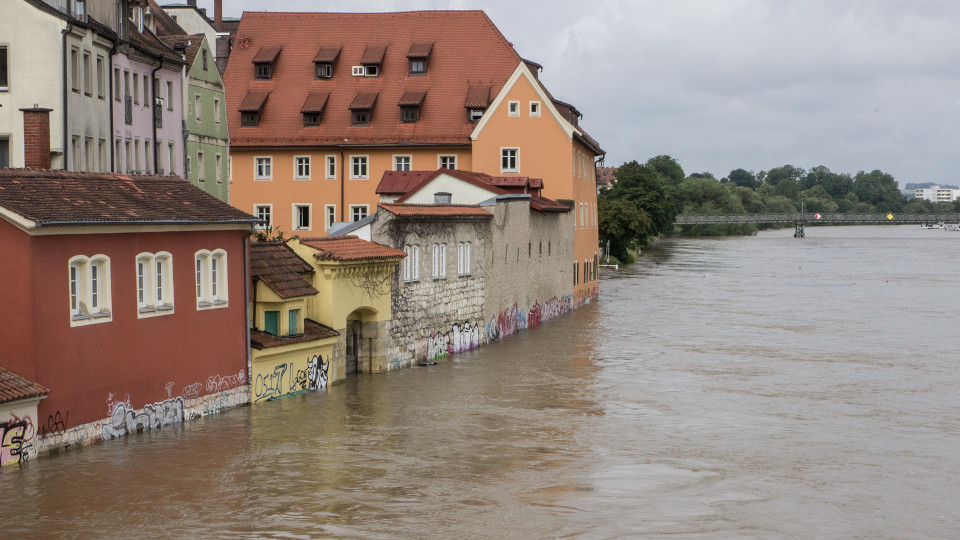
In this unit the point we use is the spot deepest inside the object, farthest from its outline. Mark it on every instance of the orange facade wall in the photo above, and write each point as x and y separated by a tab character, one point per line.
546	152
284	190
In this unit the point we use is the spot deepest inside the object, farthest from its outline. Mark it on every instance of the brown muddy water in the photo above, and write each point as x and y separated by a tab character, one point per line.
762	387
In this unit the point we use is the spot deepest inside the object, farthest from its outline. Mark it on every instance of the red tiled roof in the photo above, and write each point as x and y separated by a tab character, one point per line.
544	204
327	55
13	387
166	25
468	50
253	102
280	269
364	100
420	50
478	97
373	55
312	331
266	55
478	179
412	99
350	248
56	197
315	102
150	43
433	210
189	43
400	182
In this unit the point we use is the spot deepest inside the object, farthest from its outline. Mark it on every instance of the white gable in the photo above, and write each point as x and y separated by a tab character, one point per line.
461	192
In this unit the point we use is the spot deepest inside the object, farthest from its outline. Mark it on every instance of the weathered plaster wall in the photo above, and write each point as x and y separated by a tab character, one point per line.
291	369
18	431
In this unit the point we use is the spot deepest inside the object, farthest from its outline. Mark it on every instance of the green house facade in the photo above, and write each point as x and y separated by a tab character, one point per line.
207	139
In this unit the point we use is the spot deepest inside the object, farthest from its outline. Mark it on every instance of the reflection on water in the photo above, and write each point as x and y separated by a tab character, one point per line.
763	387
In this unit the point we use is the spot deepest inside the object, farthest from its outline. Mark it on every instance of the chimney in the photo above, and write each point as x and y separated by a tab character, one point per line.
192	3
218	15
36	137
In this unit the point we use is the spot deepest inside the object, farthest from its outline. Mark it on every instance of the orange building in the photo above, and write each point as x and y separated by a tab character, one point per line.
317	117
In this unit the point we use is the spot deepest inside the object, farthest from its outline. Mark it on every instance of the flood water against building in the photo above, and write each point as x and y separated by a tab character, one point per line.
765	387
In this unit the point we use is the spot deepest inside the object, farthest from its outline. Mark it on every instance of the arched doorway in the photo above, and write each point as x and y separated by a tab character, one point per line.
358	345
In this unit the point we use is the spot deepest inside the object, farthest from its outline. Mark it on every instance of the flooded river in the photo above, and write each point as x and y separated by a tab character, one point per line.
764	387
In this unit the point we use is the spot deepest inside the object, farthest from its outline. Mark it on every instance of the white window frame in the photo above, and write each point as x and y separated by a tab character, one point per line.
448	157
198	107
89	297
331	167
402	160
269	211
414	263
535	108
301	167
216	110
154	275
363	162
296	216
406	263
263	168
201	167
439	253
218	161
463	259
210	270
516	160
513	108
330	216
355	207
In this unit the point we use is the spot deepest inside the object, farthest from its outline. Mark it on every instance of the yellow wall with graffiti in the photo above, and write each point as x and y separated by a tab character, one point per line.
18	430
290	369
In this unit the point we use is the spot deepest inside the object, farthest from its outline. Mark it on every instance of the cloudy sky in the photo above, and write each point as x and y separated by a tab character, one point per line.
725	84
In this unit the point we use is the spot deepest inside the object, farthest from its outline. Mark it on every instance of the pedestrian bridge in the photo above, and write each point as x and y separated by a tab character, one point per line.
800	219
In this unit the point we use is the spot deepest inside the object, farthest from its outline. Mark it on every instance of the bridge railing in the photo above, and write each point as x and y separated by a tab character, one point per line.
812	217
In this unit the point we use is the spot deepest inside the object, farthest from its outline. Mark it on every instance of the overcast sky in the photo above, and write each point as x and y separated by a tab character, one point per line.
726	84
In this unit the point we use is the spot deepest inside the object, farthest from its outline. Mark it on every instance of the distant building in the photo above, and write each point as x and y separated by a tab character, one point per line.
606	177
937	194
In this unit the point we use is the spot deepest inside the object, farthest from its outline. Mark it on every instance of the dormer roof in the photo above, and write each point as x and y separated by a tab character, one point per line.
373	56
266	55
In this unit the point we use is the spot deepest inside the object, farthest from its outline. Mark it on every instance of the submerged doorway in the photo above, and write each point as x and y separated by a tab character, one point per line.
354	334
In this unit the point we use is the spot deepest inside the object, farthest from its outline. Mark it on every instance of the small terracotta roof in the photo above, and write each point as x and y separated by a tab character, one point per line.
363	100
437	210
312	331
350	248
267	55
507	182
478	179
543	204
327	55
420	50
315	102
412	99
478	97
57	197
189	43
280	269
254	101
400	182
373	55
13	387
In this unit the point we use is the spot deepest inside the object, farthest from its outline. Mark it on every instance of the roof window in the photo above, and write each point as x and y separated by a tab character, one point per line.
371	62
252	107
478	98
362	108
313	107
418	56
324	61
263	62
410	104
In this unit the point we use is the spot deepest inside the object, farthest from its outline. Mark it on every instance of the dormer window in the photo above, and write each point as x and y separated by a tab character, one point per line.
249	119
478	98
372	61
251	108
264	61
324	62
418	55
361	108
474	115
312	109
410	104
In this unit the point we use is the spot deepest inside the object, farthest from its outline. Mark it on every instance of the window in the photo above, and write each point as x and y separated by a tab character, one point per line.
331	167
358	212
324	71
358	167
447	162
189	168
271	322
514	108
474	115
401	163
154	284
216	110
534	108
211	272
204	54
263	71
463	259
126	83
101	78
263	213
197	107
171	156
87	74
116	83
371	71
301	217
293	322
411	263
358	71
136	88
201	167
418	67
89	290
75	69
439	261
409	115
576	276
169	95
361	117
249	119
331	210
508	160
4	71
146	90
302	167
263	168
4	152
311	119
219	168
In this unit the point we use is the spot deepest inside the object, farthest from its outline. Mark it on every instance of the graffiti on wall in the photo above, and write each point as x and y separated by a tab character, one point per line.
512	320
217	383
125	420
16	440
287	379
460	337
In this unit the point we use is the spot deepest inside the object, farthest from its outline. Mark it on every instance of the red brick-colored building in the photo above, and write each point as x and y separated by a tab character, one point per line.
125	297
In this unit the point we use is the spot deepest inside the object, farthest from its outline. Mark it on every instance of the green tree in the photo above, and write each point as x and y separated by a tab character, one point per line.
743	177
624	225
668	167
880	190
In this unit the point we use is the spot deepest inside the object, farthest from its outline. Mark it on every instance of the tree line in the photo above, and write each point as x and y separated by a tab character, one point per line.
645	199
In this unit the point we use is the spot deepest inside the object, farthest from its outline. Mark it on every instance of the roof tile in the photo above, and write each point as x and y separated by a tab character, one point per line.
420	50
280	269
253	102
350	248
364	100
312	331
436	210
315	103
373	55
267	55
13	387
327	55
412	99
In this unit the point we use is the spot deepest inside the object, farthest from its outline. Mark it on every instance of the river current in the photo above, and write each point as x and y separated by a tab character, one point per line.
759	387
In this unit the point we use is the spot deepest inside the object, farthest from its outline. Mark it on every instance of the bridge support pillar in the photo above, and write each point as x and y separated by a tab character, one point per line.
798	229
